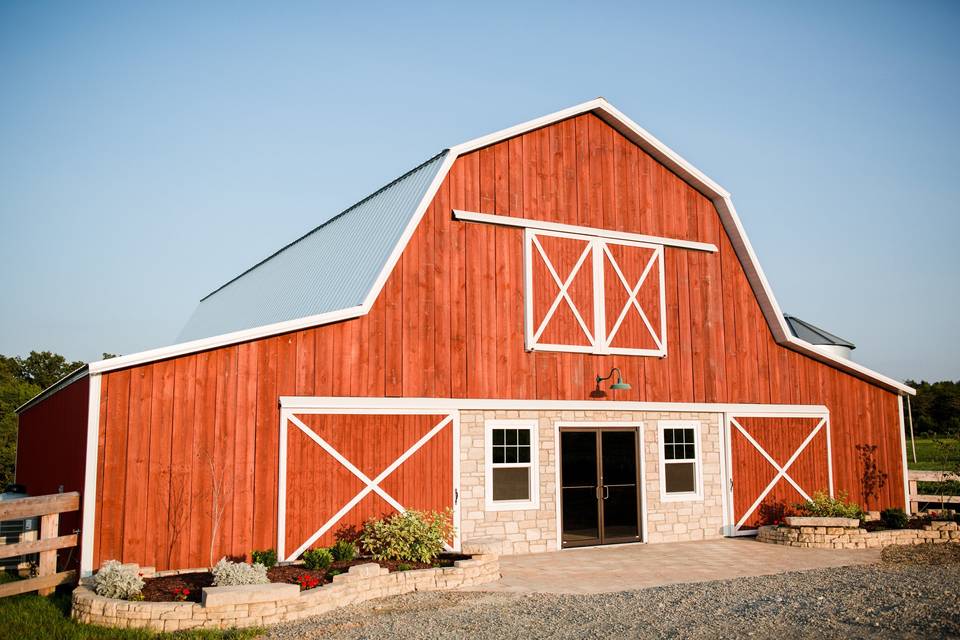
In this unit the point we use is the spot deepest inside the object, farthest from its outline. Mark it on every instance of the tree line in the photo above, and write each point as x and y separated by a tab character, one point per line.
936	407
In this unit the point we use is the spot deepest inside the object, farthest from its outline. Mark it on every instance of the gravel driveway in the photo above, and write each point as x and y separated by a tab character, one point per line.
915	593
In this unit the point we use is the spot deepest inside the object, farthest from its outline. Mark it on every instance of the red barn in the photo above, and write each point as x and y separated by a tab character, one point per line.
438	345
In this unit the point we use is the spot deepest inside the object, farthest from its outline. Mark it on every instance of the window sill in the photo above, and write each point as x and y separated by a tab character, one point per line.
527	505
681	497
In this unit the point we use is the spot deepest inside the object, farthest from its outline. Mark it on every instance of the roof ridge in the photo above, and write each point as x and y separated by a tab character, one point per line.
324	224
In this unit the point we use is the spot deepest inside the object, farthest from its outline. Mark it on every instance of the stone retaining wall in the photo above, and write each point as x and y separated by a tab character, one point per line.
256	605
821	537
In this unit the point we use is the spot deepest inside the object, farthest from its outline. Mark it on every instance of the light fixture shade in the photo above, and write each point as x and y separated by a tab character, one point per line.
620	385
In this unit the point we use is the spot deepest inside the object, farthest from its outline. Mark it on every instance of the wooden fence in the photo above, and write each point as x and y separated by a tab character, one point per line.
48	508
929	476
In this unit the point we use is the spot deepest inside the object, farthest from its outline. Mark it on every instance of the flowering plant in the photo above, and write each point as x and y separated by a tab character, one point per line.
307	581
180	594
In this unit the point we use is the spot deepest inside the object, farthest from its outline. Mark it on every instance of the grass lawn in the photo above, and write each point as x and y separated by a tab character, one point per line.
928	457
29	616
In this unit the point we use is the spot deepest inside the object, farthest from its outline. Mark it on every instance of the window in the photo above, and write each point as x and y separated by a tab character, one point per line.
511	465
593	295
680	461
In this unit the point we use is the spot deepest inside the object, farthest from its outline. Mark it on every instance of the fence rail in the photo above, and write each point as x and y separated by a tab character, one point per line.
929	476
48	508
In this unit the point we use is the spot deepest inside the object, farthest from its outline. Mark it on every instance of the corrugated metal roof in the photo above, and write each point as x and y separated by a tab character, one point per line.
814	335
330	268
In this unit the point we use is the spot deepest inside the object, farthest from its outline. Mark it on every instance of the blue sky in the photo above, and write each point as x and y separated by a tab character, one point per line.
149	152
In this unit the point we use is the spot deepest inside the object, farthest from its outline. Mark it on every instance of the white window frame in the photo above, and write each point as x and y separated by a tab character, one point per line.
534	465
595	251
687	496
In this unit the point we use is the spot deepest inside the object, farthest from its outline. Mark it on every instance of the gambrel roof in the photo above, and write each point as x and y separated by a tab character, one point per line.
331	268
247	307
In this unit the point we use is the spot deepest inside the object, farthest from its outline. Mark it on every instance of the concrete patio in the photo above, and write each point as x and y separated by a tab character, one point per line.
638	566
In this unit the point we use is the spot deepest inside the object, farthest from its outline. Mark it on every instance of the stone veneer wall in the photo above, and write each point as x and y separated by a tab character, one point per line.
856	538
257	605
535	530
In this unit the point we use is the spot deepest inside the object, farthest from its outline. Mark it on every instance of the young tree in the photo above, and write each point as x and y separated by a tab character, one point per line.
872	479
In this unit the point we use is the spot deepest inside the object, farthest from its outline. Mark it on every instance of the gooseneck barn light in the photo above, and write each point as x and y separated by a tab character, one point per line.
616	386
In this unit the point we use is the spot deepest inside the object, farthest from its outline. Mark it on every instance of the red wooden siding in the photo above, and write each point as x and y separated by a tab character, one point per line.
51	446
752	472
318	485
449	323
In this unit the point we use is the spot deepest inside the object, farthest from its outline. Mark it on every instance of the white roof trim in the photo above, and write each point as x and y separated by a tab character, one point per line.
399	405
529	223
142	357
634	132
67	380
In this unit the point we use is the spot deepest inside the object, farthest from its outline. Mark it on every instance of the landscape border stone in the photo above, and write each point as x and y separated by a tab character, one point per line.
812	521
816	536
260	605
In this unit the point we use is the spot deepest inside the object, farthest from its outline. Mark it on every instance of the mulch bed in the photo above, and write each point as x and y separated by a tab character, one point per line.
912	523
164	588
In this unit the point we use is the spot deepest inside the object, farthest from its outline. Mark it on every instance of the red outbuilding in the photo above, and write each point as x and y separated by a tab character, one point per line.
559	331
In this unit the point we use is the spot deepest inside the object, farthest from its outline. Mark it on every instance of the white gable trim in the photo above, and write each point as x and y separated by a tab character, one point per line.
639	136
529	223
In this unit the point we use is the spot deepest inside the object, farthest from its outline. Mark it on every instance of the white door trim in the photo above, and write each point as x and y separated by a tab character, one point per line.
733	525
639	426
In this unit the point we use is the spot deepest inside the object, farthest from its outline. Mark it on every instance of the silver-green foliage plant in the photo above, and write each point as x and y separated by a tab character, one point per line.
228	574
823	506
117	580
412	536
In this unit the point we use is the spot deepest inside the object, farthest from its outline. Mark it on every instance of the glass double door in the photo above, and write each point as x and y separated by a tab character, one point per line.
599	484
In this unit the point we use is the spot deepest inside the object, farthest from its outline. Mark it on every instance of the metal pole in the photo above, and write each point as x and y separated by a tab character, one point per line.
913	445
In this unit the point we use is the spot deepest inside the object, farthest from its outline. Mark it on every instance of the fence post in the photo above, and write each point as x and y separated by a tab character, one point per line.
49	528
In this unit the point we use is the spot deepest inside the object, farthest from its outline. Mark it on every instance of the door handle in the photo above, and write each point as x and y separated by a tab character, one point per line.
606	492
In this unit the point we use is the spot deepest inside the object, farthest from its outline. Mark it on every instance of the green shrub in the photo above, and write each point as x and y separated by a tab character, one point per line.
317	558
403	566
823	506
412	536
894	518
343	551
266	557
